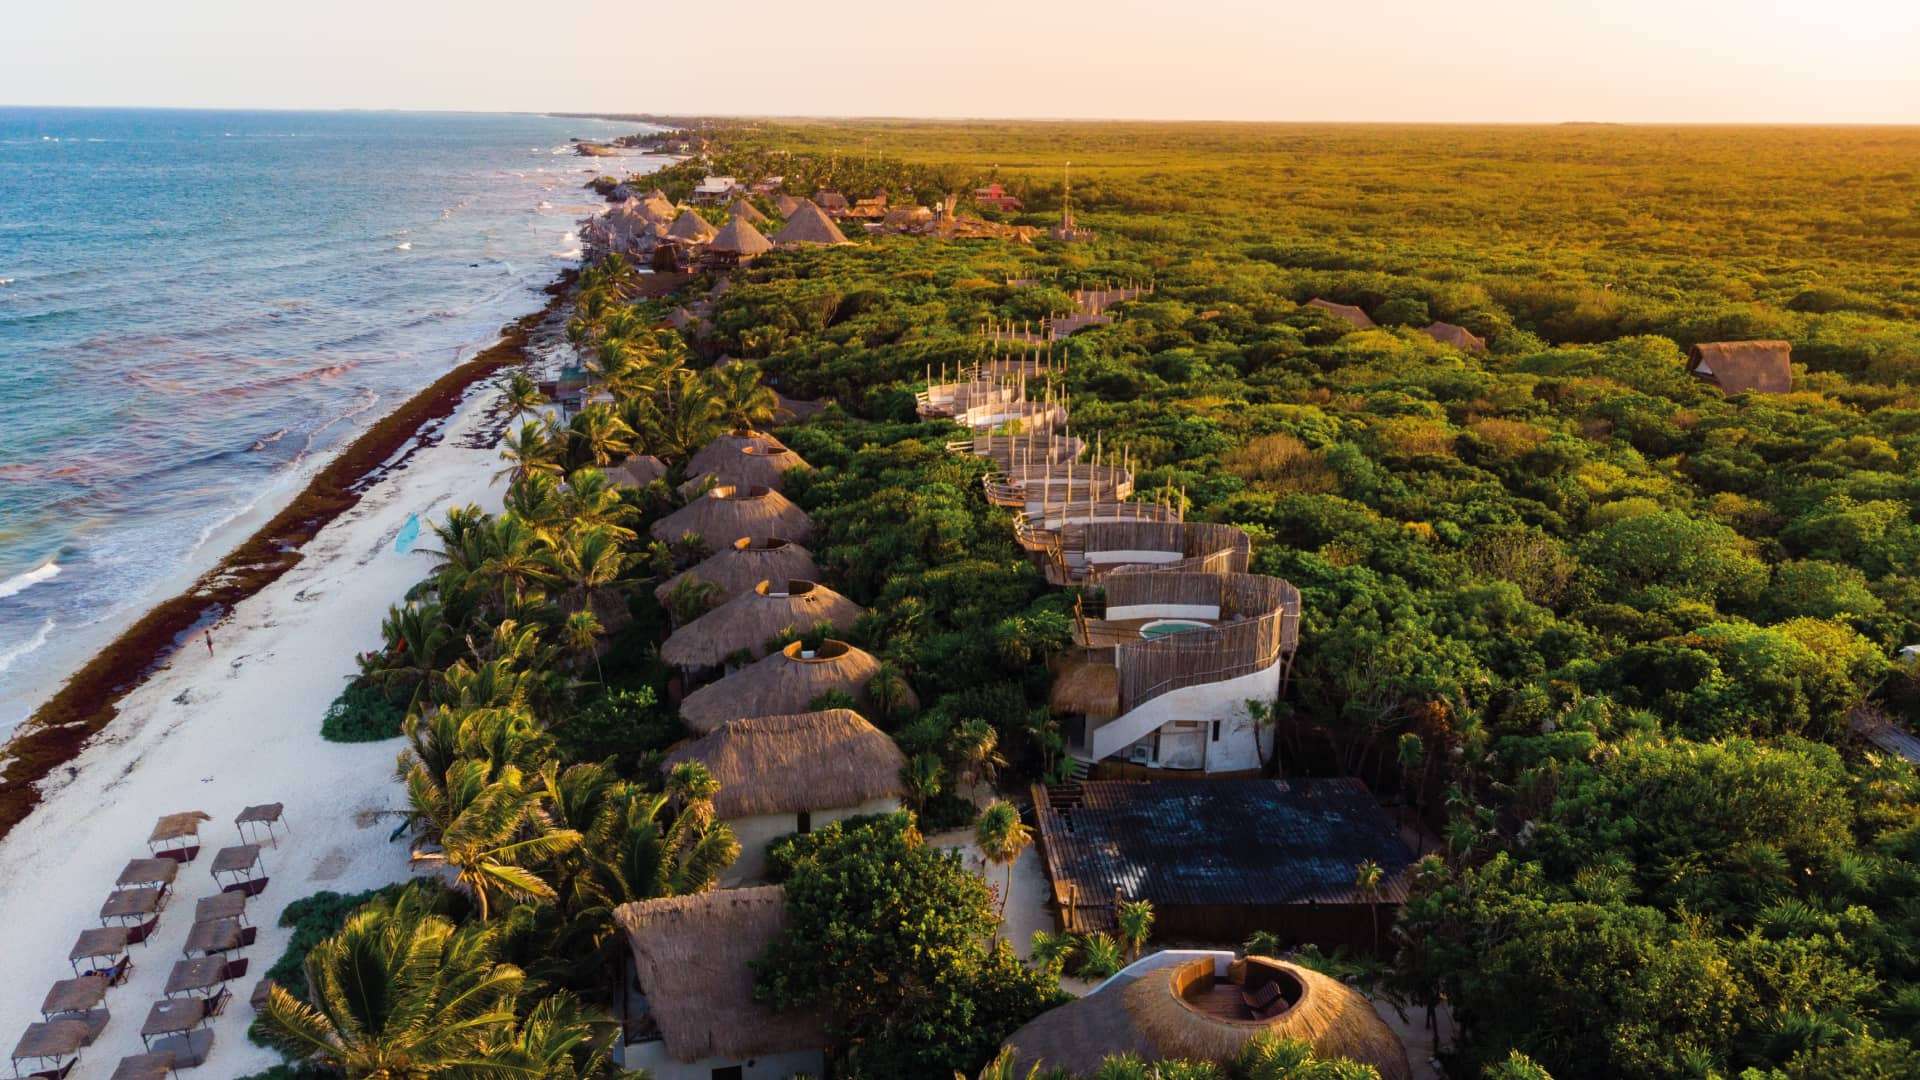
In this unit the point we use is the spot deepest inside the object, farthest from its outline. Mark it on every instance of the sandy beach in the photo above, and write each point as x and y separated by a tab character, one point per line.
217	733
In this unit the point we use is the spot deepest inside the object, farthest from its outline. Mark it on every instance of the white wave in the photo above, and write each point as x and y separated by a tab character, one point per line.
5	281
403	247
10	656
20	583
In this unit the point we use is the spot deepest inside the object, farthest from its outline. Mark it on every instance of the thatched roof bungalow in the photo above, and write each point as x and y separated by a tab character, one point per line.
638	471
1457	336
738	242
723	449
1743	367
785	204
726	514
742	210
788	681
1207	1006
753	466
808	224
745	564
749	621
692	956
831	202
1359	319
691	228
794	773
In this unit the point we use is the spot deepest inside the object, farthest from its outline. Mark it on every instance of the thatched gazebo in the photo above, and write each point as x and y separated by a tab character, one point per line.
693	956
796	762
1359	319
1208	1008
744	565
722	450
738	242
809	224
725	514
1743	367
753	466
786	204
788	681
752	619
638	471
742	210
691	228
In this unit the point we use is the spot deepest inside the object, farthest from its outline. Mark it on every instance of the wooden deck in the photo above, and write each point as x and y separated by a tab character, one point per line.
1221	1001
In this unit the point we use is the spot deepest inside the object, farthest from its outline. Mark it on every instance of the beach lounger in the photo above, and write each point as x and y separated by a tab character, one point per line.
1261	999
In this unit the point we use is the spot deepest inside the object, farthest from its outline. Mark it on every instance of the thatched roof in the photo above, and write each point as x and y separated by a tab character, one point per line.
1457	336
692	955
829	200
741	239
726	514
638	470
800	761
175	826
81	994
752	466
809	224
691	228
786	204
1741	367
753	618
723	450
745	564
1087	688
52	1039
742	210
1148	1016
1359	318
784	682
656	206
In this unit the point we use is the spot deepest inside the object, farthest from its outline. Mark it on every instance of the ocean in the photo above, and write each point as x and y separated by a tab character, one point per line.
194	304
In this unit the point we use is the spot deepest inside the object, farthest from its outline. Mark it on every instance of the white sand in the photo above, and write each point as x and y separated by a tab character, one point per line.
220	733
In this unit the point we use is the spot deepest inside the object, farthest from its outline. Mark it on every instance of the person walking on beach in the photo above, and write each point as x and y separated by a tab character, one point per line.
209	634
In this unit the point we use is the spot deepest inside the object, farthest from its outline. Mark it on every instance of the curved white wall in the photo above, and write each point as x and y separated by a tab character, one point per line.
1222	701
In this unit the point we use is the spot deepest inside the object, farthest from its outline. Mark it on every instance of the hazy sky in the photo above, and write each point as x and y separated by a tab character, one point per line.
1809	61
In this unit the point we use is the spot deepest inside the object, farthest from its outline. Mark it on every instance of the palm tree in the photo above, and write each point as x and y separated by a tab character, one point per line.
515	562
740	398
1052	949
1001	837
1367	877
490	843
527	451
923	776
417	638
582	635
523	395
537	500
1134	919
976	746
399	992
601	435
560	1038
1002	1068
592	499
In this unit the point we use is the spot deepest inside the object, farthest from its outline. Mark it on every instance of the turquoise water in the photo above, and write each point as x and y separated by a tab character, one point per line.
193	304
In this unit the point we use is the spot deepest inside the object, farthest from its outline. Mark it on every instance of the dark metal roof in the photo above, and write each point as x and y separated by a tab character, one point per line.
1221	842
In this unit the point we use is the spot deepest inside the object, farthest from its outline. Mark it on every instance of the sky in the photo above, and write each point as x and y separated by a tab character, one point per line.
1688	61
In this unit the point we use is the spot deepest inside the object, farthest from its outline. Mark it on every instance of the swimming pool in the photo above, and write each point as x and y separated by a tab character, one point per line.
1160	628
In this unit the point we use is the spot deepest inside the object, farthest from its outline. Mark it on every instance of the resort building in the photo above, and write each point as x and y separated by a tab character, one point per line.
1347	313
743	625
690	1014
785	204
725	514
1205	1005
832	202
791	681
715	190
691	230
639	470
994	197
744	564
1743	367
1457	336
738	243
1221	859
808	224
781	775
767	185
741	461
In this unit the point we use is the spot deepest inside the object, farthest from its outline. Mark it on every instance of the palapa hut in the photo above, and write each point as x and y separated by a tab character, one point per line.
1347	312
1207	1006
754	465
1457	336
742	210
1743	367
697	1019
830	202
738	242
809	225
725	514
788	681
786	204
657	207
1086	689
744	565
638	471
722	450
794	773
690	228
749	621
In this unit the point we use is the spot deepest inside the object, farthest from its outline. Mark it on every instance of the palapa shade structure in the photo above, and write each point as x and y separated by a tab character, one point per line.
809	224
176	826
722	451
745	564
656	207
1359	319
638	471
796	762
154	1066
725	514
1743	367
753	618
692	954
740	240
53	1039
742	210
74	995
753	466
1087	688
1457	336
1178	1012
691	228
785	682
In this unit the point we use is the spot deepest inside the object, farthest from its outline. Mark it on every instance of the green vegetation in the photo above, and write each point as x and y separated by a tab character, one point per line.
362	713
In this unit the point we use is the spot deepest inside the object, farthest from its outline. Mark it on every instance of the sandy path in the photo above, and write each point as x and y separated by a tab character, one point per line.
219	733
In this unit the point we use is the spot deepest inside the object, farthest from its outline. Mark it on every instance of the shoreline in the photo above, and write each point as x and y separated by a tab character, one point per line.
61	727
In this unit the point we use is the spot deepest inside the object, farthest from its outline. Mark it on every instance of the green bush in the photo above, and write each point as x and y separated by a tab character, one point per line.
362	713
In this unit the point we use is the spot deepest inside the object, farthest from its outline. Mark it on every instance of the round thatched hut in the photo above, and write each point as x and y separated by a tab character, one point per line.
638	470
788	681
738	242
723	450
786	204
1207	1008
753	466
746	564
808	224
755	617
742	210
691	228
725	514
